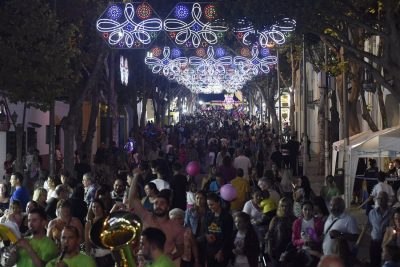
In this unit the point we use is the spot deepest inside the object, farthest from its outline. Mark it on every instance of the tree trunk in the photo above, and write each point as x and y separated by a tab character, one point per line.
91	130
135	119
69	134
382	108
366	116
19	132
113	104
52	136
354	123
334	123
321	128
144	110
295	86
73	120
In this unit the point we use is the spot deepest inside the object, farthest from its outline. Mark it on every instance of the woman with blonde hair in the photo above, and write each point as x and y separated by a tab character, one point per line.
279	236
40	196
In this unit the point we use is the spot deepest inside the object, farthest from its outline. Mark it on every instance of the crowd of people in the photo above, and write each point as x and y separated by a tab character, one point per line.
275	219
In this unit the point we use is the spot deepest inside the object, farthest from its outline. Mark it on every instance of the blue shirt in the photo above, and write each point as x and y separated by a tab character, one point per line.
22	196
379	222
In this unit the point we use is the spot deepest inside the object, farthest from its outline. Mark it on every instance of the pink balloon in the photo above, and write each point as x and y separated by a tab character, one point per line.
228	192
193	168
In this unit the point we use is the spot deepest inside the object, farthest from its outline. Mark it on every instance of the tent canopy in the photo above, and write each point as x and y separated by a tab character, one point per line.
367	144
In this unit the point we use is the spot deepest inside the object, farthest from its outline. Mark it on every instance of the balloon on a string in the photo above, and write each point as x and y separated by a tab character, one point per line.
130	146
228	192
193	168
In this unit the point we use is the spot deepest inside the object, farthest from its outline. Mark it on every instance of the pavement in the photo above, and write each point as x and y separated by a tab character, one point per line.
317	181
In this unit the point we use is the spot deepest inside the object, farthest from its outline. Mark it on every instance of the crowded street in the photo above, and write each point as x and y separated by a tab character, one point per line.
222	133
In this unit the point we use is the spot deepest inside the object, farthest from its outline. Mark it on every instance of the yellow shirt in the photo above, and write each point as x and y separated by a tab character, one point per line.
267	205
242	188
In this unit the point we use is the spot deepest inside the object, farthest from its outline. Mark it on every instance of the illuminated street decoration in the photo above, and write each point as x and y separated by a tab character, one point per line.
255	63
129	25
210	73
210	12
243	31
144	11
269	37
277	33
124	70
166	66
197	29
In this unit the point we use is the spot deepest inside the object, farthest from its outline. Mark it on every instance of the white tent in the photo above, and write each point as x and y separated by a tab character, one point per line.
385	143
338	148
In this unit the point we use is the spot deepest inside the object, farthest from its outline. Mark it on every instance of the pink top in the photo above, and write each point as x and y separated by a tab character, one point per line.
296	231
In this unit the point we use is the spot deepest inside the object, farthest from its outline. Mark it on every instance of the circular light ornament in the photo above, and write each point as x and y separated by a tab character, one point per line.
196	27
144	11
156	51
114	12
210	12
264	52
200	52
176	52
181	12
245	52
220	52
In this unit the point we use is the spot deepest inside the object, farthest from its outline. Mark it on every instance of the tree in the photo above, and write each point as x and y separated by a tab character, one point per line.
36	57
331	21
89	64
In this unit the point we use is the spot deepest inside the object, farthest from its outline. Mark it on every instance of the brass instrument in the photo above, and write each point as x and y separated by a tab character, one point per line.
117	232
8	254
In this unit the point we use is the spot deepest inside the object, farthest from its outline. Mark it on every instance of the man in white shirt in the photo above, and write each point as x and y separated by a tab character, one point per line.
160	181
382	186
338	225
242	162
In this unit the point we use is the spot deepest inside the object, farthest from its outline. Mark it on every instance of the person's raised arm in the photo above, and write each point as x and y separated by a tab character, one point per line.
133	201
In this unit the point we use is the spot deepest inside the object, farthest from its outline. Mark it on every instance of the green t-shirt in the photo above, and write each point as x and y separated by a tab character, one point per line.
162	261
79	260
44	248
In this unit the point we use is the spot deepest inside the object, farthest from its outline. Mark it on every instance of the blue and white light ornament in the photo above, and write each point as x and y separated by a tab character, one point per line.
181	11
129	25
192	31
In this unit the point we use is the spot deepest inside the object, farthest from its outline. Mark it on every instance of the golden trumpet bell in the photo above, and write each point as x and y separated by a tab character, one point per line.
120	228
117	232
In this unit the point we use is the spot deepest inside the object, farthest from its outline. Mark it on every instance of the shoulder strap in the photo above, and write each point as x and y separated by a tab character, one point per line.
330	226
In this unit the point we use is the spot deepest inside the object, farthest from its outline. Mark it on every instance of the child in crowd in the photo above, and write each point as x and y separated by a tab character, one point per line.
191	195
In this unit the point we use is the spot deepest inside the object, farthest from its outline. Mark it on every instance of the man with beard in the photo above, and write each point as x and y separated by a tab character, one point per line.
37	249
152	243
159	218
71	255
338	225
117	194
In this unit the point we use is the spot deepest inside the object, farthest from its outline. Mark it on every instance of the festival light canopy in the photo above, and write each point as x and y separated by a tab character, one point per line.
195	30
129	25
267	37
212	72
194	25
